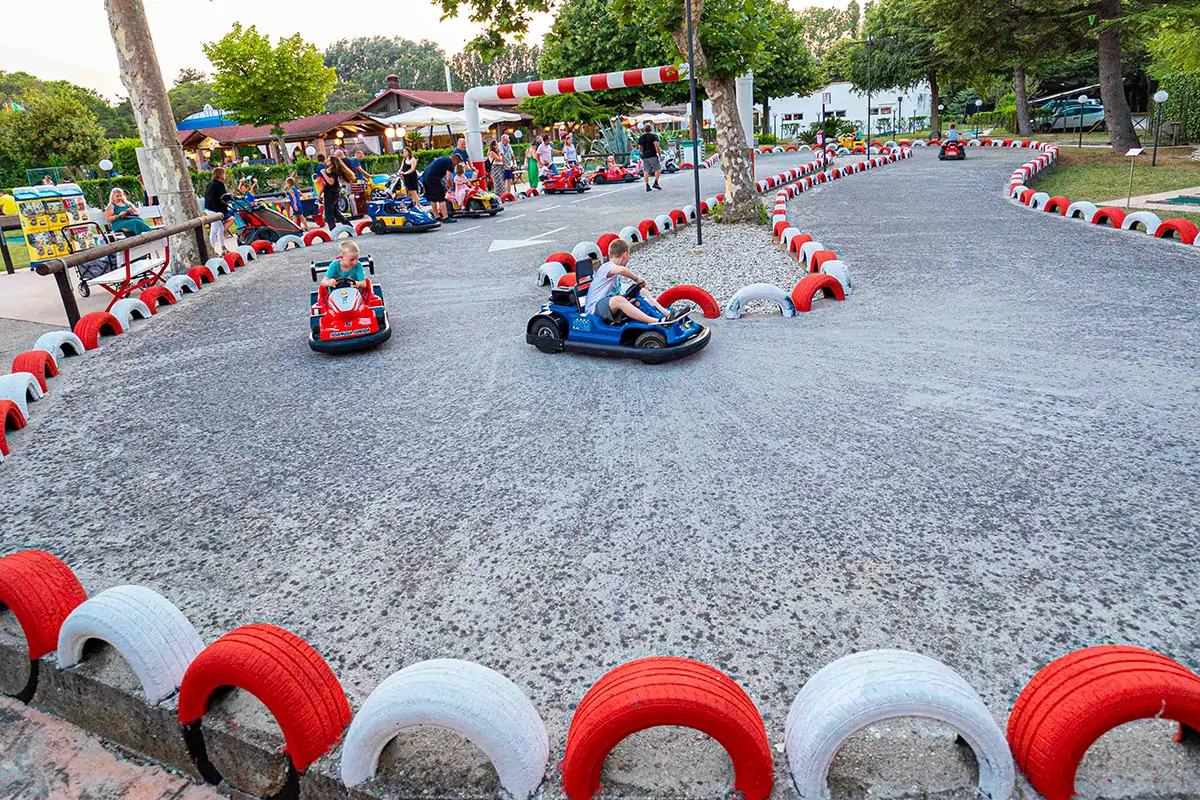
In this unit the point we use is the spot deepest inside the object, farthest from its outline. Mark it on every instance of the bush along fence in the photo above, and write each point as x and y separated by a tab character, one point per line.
1065	707
1180	231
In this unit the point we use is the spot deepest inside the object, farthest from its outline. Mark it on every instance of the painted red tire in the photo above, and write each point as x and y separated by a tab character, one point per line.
92	326
566	259
859	150
791	148
820	257
508	197
687	165
720	197
533	193
566	281
315	235
362	227
200	276
38	362
10	418
41	591
604	241
285	673
234	260
155	296
1074	700
652	692
646	226
704	209
796	243
1108	214
263	247
686	291
1057	204
807	287
1182	229
779	227
1025	196
678	217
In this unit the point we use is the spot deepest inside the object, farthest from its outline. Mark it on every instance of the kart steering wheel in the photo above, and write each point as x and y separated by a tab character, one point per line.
343	283
634	290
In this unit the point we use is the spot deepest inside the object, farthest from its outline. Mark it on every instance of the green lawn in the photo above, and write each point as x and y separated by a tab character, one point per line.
1099	174
19	254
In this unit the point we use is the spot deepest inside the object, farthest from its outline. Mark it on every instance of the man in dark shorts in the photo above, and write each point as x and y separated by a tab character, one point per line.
434	180
651	156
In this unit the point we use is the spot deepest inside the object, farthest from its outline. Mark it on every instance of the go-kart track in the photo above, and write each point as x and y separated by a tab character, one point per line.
987	455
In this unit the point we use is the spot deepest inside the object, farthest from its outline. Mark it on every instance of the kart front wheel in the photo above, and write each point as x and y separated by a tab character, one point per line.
549	339
651	340
378	228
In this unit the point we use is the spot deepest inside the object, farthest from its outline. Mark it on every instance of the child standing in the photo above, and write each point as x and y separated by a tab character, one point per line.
294	207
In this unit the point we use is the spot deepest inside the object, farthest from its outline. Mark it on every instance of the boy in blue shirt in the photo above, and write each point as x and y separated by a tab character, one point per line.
346	267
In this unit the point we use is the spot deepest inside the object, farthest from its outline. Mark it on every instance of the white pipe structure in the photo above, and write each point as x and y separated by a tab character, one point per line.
744	96
668	73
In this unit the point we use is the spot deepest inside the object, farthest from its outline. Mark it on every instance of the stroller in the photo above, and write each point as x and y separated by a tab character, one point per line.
258	223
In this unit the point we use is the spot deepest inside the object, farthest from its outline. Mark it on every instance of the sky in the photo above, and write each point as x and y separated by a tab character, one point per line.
75	44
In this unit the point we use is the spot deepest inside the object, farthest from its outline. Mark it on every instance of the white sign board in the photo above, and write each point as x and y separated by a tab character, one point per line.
1137	151
144	168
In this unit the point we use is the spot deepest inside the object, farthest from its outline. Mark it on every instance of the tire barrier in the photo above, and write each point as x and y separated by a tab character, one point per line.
233	261
678	218
290	240
264	248
1026	196
21	388
92	326
152	635
362	227
779	227
1074	700
284	673
1016	190
1081	209
41	591
1038	200
820	257
1182	229
797	245
550	273
787	235
807	249
648	228
632	234
1147	219
694	294
840	272
1109	215
767	292
178	285
566	259
653	692
809	286
875	685
314	236
664	223
477	703
566	281
689	214
247	253
38	363
11	418
508	197
201	275
604	241
60	344
217	266
337	230
127	308
587	250
1057	205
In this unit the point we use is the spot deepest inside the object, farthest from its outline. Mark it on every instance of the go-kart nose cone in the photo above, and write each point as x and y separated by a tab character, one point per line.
343	299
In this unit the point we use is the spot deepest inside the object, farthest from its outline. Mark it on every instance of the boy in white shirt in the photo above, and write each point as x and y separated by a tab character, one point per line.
603	303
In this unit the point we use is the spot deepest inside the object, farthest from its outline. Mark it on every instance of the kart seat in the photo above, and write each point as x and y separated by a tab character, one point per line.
575	295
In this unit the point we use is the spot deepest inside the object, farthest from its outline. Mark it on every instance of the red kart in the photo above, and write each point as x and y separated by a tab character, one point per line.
570	179
952	150
618	174
344	320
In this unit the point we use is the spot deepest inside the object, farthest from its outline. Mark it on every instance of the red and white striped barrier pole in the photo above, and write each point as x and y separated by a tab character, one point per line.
668	73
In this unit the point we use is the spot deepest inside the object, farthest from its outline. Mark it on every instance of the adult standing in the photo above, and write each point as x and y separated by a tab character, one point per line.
434	180
495	162
356	166
510	163
214	203
460	150
335	175
651	156
410	176
545	156
531	164
570	154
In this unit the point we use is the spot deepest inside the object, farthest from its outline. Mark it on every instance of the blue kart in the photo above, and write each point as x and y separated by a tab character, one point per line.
392	211
562	325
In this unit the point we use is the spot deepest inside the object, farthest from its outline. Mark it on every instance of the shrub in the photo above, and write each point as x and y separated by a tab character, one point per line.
768	138
124	155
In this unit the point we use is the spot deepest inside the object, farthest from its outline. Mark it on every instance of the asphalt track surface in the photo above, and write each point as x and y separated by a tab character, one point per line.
987	455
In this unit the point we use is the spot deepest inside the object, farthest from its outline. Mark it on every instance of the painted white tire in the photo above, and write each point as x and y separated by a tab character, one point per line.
711	202
840	272
759	291
864	688
587	250
785	238
631	234
20	387
1081	209
290	239
469	699
807	249
549	273
1015	192
151	634
664	223
216	266
178	284
338	230
689	212
1147	218
247	253
56	343
127	308
804	148
1038	201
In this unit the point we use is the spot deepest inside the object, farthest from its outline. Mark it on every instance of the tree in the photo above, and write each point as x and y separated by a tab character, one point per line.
786	69
265	85
824	26
572	109
52	130
518	63
191	93
117	120
363	64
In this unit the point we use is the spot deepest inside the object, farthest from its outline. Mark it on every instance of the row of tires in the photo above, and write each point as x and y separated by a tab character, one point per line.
1183	231
1066	706
28	380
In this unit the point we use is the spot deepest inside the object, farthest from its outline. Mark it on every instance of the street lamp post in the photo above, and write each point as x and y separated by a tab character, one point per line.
978	105
941	108
1160	99
1083	98
106	167
870	43
899	112
695	116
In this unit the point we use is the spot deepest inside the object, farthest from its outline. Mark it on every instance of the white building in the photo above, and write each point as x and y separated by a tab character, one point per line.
789	115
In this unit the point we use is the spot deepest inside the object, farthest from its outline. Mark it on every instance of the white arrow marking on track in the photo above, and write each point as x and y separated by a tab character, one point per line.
513	244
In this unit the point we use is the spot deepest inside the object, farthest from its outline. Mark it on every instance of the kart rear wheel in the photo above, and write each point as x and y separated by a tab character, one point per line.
474	207
378	228
651	340
545	330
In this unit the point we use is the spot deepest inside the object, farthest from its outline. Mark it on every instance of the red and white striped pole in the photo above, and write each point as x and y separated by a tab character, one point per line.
668	73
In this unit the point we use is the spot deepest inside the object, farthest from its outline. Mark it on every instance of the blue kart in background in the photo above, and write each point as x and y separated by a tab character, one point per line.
562	325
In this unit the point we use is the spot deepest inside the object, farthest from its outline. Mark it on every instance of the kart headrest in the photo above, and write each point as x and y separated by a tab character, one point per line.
584	267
